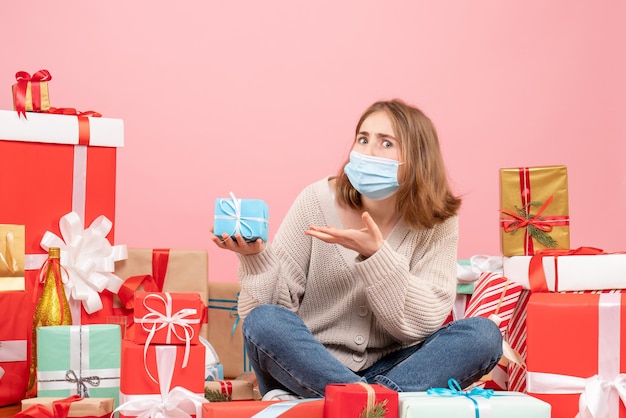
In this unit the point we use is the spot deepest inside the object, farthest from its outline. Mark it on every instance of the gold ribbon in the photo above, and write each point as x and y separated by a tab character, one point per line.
371	397
8	262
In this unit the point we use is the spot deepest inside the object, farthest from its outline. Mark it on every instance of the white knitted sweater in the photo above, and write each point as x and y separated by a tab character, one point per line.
359	310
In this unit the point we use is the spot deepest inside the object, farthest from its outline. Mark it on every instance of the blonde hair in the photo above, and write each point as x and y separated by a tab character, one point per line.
424	198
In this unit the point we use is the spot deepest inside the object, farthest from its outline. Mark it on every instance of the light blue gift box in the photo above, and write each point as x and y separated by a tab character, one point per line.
248	217
79	360
501	404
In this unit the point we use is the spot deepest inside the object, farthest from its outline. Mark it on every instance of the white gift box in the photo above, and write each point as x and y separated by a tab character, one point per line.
571	272
59	129
501	404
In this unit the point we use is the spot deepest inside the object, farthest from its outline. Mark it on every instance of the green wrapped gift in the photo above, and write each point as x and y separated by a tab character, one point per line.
461	287
79	360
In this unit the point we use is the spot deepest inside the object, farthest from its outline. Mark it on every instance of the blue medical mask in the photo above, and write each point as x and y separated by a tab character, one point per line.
374	177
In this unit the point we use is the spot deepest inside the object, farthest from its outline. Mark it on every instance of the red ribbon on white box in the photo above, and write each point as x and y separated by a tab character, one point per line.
175	403
600	393
170	320
12	350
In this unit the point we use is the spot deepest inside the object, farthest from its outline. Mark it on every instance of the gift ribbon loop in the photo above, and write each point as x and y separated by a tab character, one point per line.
168	320
88	259
232	209
454	389
82	382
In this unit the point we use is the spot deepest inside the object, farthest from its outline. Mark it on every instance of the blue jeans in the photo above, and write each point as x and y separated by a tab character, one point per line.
285	355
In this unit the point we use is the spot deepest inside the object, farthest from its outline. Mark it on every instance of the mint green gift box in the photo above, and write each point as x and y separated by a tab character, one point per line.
501	404
79	360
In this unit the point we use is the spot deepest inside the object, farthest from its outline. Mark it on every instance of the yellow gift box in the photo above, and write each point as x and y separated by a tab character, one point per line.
534	209
12	254
30	93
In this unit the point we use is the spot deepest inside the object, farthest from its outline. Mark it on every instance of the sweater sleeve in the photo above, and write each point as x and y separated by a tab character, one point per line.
412	294
278	274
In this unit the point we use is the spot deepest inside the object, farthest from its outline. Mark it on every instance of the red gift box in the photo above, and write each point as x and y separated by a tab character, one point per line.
309	408
14	332
350	400
160	374
140	372
577	351
168	318
60	164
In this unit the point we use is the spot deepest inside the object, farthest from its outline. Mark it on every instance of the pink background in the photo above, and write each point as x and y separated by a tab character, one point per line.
261	98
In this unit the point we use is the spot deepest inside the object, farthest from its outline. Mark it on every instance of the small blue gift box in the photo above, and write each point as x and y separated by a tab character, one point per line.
248	217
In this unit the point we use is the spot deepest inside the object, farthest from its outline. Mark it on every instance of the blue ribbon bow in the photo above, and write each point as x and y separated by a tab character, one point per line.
454	389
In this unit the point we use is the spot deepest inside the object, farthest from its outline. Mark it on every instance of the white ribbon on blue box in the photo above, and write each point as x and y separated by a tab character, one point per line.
247	217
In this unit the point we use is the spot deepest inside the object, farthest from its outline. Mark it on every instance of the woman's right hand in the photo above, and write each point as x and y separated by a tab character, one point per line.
238	244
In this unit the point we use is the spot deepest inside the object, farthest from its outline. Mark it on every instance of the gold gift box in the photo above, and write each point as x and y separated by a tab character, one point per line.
86	407
28	100
12	254
534	209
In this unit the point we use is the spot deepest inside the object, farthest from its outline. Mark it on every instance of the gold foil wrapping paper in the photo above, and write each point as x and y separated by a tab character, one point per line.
44	95
12	250
540	196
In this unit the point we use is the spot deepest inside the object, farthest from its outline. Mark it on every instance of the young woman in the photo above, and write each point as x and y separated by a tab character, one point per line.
361	274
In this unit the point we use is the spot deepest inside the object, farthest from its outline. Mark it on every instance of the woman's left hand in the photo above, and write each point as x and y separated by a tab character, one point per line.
366	241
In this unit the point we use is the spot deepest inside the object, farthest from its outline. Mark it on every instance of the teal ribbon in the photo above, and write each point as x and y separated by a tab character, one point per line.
454	389
235	314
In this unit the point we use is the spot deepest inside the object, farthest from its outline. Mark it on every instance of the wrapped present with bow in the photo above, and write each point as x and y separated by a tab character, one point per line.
246	217
224	328
30	92
12	253
79	360
576	359
14	333
359	399
534	209
174	270
453	402
168	318
165	379
65	164
70	407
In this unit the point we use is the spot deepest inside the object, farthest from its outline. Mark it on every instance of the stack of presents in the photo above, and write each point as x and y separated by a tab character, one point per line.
151	336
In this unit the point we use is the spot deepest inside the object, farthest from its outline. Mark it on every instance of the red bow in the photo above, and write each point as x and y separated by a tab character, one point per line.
60	409
23	78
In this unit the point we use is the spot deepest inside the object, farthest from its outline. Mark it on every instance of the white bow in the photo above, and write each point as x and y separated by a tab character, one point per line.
88	258
176	403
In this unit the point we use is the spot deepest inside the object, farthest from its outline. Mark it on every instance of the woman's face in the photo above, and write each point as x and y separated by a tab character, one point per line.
376	138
